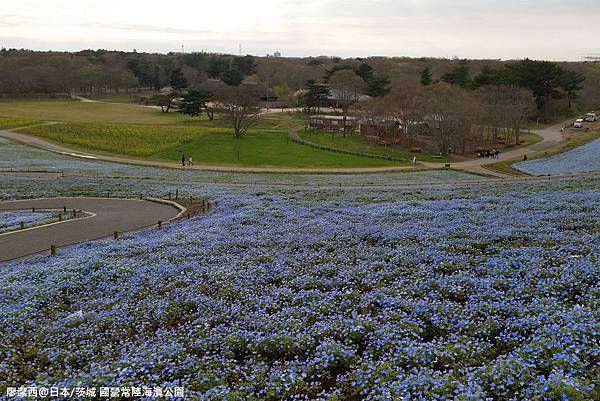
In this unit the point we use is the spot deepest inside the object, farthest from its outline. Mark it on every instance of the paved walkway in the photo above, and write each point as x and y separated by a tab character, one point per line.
551	136
43	144
109	215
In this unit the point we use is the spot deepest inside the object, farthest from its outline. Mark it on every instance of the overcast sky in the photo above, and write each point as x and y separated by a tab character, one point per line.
507	29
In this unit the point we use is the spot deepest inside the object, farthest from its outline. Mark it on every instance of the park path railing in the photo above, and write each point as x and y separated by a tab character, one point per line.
295	137
204	207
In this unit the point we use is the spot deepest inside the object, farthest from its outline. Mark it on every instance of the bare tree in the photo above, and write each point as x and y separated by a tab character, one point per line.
450	113
346	88
398	113
241	105
520	105
494	111
506	107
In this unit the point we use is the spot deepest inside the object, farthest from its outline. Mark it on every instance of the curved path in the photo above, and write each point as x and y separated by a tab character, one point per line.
551	136
63	150
108	216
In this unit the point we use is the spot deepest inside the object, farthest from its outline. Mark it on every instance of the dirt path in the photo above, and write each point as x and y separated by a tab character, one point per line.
108	216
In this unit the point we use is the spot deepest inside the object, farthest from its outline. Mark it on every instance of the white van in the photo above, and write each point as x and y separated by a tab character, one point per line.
591	117
578	123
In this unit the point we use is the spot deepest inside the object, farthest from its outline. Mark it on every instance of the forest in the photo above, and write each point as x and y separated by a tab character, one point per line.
557	88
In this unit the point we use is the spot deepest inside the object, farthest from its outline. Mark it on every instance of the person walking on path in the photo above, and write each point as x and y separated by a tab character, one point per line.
190	161
183	160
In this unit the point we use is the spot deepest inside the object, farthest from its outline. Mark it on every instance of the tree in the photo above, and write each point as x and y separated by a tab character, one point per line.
426	77
378	86
519	106
450	114
178	81
316	96
233	77
195	60
487	76
346	88
157	83
336	68
365	71
571	82
459	76
217	65
543	78
164	101
194	103
241	106
396	115
494	113
506	106
245	65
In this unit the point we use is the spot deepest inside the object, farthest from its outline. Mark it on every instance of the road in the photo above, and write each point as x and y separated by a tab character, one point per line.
108	216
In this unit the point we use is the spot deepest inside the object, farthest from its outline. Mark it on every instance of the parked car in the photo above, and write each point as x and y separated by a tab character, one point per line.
591	117
578	123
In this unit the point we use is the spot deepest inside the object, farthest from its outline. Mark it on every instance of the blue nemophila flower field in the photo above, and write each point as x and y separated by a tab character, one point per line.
583	159
12	220
461	293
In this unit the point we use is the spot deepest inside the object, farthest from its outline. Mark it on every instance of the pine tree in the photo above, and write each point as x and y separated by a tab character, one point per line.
459	76
233	77
178	80
157	83
571	82
194	103
426	77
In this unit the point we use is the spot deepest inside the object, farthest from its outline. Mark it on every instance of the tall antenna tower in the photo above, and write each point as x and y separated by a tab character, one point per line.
240	50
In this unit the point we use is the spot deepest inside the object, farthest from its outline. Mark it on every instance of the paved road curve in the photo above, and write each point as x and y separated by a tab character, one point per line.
110	215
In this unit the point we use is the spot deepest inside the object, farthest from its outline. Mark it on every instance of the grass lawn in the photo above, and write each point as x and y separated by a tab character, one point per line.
66	110
275	121
106	113
15	122
264	148
356	143
506	166
126	98
205	144
528	138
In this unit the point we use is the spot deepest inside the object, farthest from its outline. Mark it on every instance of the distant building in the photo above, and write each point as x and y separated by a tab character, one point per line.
334	123
277	54
591	57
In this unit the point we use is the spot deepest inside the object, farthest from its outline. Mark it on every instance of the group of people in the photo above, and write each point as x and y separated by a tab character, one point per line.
190	161
489	153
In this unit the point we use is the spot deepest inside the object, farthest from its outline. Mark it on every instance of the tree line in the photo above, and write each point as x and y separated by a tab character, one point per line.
25	72
452	118
545	79
556	87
